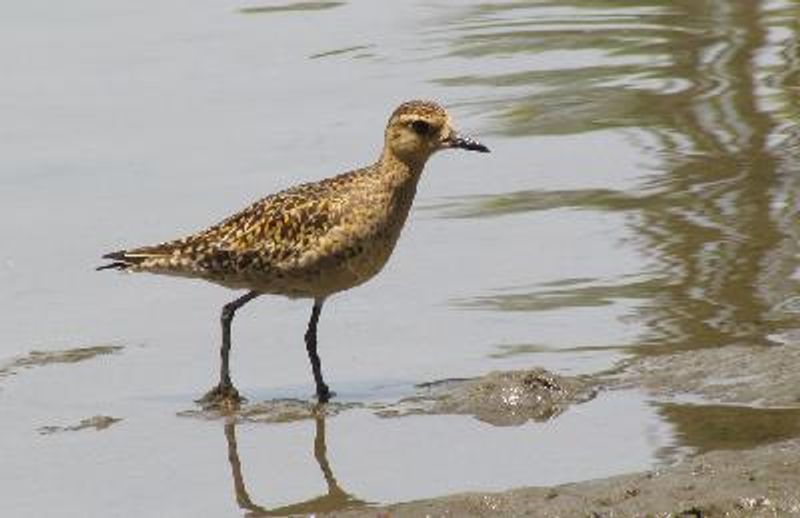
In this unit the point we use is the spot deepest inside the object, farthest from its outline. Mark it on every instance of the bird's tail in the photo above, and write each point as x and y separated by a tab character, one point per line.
125	260
116	265
119	261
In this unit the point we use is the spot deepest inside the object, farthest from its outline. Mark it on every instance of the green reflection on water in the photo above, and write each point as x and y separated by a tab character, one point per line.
297	6
548	300
512	350
722	427
538	200
336	52
691	75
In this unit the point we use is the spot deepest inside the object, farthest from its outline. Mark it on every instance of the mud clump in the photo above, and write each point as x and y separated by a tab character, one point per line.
501	398
98	423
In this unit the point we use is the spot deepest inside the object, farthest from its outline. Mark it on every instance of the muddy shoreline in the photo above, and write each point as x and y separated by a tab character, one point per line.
744	422
764	481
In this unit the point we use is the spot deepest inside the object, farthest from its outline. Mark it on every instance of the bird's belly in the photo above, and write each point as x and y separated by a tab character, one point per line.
340	261
344	271
355	270
316	278
338	272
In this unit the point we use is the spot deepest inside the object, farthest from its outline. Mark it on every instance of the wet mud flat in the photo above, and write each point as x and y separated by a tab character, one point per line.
743	425
764	481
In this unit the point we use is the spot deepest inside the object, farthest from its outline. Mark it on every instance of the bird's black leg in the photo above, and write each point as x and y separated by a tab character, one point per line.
323	393
225	394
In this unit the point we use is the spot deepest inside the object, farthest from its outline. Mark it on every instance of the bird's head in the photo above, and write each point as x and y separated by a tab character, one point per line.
418	129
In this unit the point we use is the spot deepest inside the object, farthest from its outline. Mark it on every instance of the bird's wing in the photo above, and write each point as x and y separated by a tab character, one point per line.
273	231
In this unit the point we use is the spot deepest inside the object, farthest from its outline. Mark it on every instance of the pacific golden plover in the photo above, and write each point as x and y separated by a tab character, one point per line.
312	240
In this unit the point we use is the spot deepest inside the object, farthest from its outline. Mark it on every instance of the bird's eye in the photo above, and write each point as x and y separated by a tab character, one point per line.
420	127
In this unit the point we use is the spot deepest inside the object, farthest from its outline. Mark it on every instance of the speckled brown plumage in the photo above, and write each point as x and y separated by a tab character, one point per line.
301	242
318	238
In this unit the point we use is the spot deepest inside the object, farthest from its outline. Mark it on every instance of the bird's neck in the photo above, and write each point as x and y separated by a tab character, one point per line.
400	173
398	179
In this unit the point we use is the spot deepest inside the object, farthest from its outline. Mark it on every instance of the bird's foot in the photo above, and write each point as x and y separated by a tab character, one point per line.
222	397
324	394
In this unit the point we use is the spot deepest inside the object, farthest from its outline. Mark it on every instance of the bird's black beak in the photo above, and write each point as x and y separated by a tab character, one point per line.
456	140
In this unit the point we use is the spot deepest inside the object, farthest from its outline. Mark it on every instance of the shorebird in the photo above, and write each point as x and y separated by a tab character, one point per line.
308	241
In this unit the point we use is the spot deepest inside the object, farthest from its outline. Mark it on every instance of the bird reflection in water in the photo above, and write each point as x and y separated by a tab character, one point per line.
336	498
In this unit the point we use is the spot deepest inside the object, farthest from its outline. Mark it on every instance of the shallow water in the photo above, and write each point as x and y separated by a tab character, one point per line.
641	198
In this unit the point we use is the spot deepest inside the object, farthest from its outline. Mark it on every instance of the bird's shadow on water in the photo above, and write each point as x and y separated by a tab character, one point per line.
335	499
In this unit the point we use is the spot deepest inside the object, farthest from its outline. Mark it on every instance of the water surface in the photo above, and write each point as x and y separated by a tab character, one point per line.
641	199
